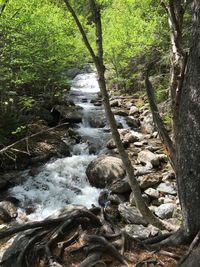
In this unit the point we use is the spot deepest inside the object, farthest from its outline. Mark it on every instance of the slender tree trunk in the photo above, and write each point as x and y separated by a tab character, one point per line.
176	11
188	135
98	60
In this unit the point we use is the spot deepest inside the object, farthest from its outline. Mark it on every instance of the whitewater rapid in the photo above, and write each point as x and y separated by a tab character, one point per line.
64	181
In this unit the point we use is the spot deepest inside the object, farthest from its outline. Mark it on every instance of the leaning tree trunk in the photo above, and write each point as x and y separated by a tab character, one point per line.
188	135
99	63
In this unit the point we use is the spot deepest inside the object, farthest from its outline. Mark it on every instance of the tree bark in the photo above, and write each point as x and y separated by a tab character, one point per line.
188	135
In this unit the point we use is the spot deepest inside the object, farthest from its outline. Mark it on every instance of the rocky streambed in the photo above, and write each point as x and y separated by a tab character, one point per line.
92	173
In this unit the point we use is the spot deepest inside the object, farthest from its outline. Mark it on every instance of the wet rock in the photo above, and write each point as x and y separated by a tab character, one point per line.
69	114
152	192
132	122
130	214
120	186
102	171
165	211
149	180
133	110
167	188
120	112
148	158
12	178
97	104
96	122
137	231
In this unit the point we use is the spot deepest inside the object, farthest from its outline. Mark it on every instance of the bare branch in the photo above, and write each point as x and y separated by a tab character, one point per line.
82	31
3	150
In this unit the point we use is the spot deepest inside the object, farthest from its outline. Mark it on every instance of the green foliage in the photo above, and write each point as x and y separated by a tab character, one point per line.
134	31
38	41
167	119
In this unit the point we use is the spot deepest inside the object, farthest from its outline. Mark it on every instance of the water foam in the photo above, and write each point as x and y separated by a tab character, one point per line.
60	182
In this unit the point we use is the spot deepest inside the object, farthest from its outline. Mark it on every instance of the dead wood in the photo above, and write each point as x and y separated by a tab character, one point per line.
25	139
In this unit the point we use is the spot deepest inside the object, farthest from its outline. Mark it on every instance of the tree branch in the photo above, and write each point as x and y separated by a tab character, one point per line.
3	150
80	27
164	136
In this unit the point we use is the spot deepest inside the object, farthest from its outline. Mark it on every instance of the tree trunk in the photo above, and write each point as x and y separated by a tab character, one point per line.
98	60
188	135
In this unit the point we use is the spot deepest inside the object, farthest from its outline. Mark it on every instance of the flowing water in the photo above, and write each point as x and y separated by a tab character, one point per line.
64	180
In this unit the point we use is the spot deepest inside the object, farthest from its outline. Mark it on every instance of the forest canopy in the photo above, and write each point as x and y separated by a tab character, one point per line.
39	42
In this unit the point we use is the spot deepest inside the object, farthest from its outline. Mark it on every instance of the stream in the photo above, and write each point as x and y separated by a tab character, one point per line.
63	181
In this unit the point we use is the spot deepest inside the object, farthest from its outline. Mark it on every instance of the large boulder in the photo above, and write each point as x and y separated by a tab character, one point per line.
69	114
97	122
104	170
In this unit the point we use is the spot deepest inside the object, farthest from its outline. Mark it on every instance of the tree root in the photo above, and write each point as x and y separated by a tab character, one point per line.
177	238
48	239
192	245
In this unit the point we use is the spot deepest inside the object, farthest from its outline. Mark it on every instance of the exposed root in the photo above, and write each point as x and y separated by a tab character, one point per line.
91	260
46	241
174	239
105	246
